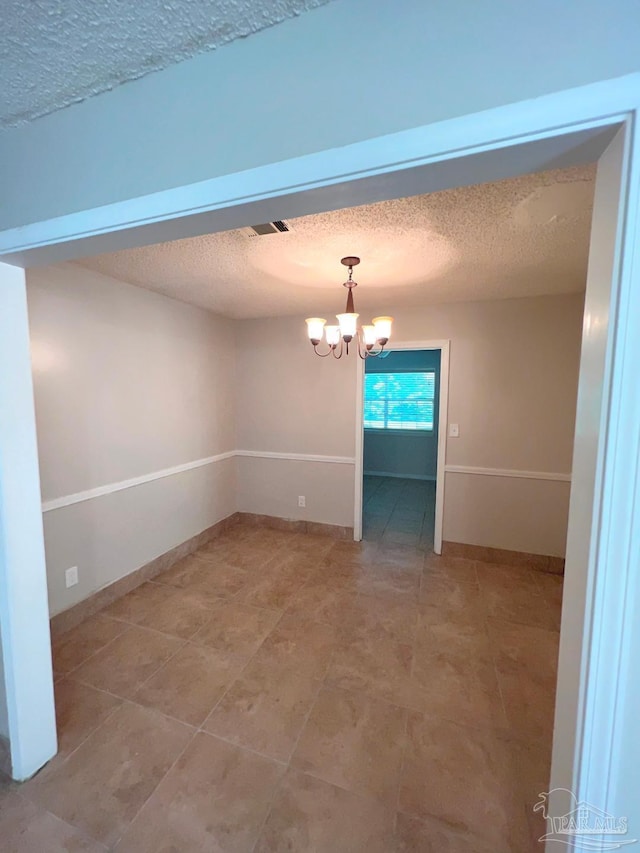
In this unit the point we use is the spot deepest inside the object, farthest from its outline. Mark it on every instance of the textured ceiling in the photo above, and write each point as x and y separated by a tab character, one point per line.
56	52
526	236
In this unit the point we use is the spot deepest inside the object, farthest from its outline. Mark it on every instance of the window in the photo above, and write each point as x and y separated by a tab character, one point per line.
399	400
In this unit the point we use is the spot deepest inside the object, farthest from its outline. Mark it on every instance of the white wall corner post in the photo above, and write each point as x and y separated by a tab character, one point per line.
24	611
596	745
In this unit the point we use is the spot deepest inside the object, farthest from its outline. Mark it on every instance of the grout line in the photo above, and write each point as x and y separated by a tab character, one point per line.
288	763
163	664
240	746
66	758
126	628
240	673
160	781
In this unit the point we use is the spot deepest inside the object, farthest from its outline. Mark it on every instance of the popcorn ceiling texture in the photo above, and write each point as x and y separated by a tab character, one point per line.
56	52
526	236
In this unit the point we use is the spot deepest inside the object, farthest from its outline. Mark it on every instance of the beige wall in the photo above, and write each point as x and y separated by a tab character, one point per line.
127	383
289	401
512	390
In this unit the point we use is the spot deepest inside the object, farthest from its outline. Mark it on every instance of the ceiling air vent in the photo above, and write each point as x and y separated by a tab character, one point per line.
267	228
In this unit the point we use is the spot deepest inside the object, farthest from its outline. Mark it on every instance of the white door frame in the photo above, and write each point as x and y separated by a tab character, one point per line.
443	403
507	140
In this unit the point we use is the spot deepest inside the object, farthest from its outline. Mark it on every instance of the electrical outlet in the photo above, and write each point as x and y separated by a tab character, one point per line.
454	430
302	501
71	576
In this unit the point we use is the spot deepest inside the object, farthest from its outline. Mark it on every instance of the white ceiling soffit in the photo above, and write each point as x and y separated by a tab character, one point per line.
54	53
525	236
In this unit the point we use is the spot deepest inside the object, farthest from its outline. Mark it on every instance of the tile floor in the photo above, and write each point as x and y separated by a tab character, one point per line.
288	692
396	511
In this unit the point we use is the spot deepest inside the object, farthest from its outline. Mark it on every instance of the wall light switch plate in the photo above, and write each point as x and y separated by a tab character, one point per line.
302	501
454	430
71	576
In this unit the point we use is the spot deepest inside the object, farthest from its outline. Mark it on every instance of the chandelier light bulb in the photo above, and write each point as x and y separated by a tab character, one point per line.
348	325
370	336
315	325
333	335
382	325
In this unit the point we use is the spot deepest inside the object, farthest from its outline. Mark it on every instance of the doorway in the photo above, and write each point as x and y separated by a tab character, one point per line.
400	455
400	447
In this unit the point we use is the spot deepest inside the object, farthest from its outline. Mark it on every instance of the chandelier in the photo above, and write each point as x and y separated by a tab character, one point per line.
338	338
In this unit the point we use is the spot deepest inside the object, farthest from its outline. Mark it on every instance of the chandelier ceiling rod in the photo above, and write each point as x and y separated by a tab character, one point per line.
338	338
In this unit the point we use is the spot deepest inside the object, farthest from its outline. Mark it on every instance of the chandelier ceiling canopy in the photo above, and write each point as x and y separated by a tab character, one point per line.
370	340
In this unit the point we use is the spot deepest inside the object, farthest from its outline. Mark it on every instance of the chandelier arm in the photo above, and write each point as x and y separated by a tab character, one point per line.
321	354
335	349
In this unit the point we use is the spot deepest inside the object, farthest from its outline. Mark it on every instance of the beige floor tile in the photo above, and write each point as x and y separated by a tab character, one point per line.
445	599
513	594
315	817
292	563
189	684
75	646
180	573
265	708
454	676
337	574
27	828
80	709
273	591
526	664
182	613
400	556
237	628
551	587
140	603
464	777
463	641
465	693
300	643
323	602
216	798
223	580
123	665
202	597
354	742
313	546
530	710
532	768
525	648
458	569
250	556
377	665
433	836
381	578
103	784
380	614
357	553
